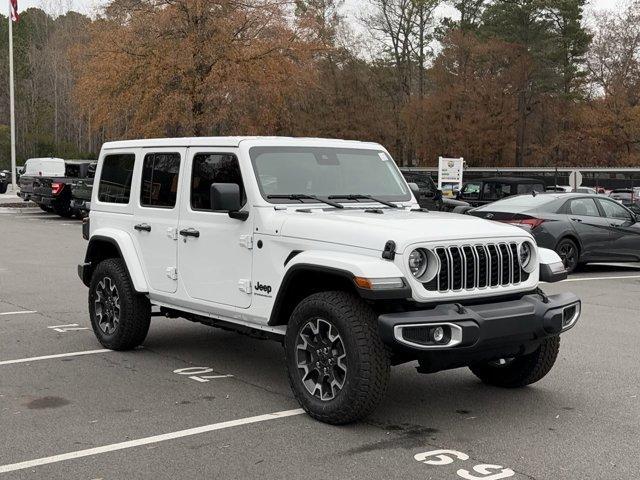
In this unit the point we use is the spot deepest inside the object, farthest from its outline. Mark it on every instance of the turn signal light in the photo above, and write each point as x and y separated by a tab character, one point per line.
379	283
56	188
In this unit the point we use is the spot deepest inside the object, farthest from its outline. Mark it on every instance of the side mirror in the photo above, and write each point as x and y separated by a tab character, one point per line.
438	196
225	197
415	190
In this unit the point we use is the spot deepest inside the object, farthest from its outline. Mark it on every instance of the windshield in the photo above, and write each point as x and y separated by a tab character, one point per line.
327	172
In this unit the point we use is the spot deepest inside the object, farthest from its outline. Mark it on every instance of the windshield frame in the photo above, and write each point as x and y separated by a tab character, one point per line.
305	149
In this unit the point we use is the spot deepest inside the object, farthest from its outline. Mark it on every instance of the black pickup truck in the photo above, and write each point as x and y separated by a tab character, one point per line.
81	189
54	193
428	195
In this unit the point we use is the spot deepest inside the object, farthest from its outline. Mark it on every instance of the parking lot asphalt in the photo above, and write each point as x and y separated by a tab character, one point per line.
228	411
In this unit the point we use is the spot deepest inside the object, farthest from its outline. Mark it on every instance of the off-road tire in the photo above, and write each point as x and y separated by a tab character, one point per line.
367	359
45	208
3	187
521	371
135	309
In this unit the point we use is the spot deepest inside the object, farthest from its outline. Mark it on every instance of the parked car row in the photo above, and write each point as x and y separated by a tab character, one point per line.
582	226
58	185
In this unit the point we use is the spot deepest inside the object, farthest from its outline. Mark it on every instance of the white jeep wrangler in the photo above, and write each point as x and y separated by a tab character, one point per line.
321	245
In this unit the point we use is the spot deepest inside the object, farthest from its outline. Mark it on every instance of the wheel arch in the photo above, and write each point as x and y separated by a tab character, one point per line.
104	245
574	238
312	272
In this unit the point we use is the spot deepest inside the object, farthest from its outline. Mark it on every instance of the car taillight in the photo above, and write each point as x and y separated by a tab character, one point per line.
529	222
56	188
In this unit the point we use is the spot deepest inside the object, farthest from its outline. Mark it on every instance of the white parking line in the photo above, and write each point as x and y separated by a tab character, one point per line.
21	312
148	440
50	357
588	279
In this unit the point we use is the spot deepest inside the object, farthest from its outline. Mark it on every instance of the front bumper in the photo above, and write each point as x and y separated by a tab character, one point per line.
478	332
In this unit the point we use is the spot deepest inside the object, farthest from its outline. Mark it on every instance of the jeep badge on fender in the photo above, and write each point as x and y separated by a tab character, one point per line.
356	278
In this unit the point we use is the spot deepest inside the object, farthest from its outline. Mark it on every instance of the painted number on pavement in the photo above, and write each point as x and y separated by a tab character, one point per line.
72	327
199	374
479	472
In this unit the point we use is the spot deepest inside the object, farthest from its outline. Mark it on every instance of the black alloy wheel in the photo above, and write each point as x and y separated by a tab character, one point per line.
107	306
321	359
569	254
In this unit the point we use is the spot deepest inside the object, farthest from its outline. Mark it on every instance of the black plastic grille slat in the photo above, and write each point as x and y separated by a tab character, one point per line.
478	266
443	275
506	264
456	259
470	268
515	263
495	266
482	266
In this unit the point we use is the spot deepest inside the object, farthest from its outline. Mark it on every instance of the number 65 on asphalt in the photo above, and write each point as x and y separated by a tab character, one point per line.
444	457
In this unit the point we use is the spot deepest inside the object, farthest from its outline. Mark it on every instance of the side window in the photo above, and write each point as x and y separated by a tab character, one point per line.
160	180
613	210
585	207
496	191
211	168
115	180
471	191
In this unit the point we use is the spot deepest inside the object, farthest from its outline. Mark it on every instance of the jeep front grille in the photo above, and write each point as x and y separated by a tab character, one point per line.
469	267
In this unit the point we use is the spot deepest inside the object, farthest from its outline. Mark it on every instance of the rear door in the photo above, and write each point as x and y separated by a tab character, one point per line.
624	231
156	216
592	228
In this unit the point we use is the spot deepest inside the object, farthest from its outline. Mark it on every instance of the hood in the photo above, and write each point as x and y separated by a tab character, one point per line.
358	228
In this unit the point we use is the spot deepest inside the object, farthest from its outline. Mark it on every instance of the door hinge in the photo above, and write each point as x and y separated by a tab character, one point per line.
172	273
172	233
244	285
246	241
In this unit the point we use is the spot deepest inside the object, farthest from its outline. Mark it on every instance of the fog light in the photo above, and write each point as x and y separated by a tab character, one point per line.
438	334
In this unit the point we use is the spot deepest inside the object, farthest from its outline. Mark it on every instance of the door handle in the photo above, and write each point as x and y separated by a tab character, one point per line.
576	220
143	227
190	232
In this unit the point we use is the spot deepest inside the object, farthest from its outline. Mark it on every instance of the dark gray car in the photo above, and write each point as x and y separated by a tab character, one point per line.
581	228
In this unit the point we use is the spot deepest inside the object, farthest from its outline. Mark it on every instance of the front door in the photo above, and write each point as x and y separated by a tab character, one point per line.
591	227
624	231
156	216
214	250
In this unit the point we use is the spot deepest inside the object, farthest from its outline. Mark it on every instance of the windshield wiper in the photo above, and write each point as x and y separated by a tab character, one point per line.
304	196
364	197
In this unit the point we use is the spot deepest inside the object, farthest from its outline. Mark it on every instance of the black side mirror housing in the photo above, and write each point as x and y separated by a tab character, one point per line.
226	197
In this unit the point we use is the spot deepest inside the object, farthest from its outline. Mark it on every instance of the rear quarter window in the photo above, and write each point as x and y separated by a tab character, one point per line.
115	179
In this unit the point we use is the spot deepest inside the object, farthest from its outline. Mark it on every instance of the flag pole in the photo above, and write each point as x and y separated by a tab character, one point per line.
12	106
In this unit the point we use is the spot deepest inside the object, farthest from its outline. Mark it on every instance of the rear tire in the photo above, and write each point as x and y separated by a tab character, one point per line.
569	252
339	374
120	316
520	371
3	188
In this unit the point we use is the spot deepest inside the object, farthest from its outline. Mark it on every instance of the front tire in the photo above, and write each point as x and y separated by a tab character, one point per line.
337	364
120	316
520	371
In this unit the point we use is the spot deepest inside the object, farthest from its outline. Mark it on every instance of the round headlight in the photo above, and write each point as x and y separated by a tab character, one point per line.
418	262
525	255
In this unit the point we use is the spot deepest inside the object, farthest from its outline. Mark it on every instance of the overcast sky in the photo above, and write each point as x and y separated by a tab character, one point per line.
90	6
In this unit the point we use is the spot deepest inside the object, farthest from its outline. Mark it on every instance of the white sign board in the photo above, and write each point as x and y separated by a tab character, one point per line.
450	172
575	179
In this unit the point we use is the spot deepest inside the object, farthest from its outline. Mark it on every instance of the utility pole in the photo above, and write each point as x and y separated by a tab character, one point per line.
13	16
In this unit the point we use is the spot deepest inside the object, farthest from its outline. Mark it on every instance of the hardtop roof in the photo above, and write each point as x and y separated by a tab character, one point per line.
228	142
